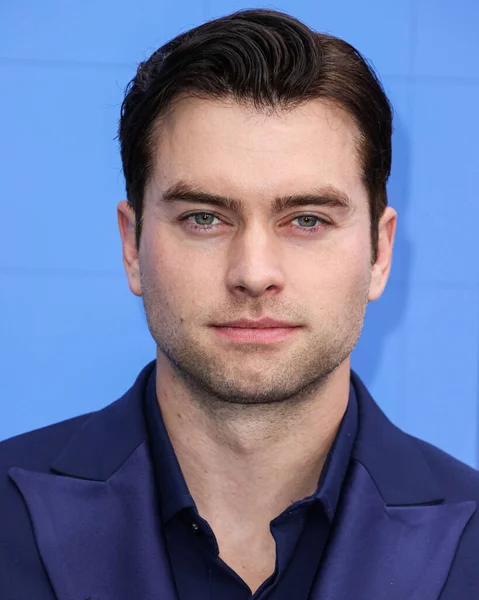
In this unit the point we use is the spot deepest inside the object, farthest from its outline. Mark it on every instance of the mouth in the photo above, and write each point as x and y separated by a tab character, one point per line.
263	331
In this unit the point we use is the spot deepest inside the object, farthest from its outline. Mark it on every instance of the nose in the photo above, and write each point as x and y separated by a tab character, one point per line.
254	265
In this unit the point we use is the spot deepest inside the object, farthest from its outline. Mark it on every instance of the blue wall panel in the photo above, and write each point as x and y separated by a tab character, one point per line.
443	195
61	165
448	38
73	338
70	342
440	367
110	31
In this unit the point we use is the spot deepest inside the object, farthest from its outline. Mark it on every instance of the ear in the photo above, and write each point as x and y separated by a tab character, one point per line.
126	223
382	266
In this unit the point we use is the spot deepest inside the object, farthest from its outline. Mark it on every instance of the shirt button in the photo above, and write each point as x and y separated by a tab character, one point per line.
195	528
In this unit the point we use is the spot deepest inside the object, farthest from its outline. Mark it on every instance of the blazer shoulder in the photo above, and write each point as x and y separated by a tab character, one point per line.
459	482
21	569
36	449
456	479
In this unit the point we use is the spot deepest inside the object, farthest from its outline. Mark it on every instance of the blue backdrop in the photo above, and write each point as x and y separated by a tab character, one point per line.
72	336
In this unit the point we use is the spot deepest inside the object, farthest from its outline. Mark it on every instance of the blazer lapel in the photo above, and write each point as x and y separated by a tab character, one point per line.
99	540
394	537
389	553
96	521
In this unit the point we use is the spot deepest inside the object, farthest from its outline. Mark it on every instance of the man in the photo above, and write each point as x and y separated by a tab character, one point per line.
247	461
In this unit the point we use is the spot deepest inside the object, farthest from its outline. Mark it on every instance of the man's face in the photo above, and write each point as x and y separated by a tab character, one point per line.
201	265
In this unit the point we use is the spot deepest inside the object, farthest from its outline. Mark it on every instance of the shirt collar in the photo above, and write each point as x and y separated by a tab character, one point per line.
339	456
173	490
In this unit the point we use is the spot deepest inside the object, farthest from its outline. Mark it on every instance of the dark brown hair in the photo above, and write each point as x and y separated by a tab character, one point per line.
269	60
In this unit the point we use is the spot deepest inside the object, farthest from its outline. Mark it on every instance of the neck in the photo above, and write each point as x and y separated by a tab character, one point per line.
250	462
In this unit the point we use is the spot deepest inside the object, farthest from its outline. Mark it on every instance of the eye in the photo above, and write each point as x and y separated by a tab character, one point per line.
202	218
200	221
310	222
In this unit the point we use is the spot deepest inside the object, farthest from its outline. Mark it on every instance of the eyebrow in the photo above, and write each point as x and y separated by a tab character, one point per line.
327	196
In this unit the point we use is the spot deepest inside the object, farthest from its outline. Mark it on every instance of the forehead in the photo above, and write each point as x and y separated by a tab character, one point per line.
225	146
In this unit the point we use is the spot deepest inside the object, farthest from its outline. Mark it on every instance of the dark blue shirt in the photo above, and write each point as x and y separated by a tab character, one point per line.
300	532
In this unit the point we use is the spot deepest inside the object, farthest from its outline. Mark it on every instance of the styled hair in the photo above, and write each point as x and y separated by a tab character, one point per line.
266	59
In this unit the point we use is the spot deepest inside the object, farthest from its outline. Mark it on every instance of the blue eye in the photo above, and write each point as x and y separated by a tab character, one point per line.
203	218
199	221
309	221
203	222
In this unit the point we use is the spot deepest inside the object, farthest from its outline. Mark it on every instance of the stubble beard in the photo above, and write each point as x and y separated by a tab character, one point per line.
253	375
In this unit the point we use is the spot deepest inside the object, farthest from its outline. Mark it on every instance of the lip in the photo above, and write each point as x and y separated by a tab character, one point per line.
265	323
262	331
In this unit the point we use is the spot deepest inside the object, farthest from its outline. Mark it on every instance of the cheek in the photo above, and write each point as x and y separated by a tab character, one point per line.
182	276
340	276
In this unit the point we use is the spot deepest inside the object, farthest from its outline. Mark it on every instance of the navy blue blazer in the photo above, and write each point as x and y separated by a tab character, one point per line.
79	514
